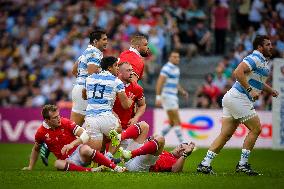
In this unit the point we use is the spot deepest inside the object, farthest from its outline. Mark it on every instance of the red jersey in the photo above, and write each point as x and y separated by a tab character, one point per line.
135	60
126	114
57	138
164	163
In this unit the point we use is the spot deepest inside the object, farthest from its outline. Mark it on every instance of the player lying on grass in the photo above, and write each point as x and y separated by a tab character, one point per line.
67	141
151	156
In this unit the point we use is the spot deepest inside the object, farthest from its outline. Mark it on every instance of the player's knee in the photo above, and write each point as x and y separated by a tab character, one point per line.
59	164
85	150
161	141
144	126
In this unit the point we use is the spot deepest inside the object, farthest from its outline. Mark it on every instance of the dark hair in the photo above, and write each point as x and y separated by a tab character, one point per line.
259	40
96	35
46	109
107	62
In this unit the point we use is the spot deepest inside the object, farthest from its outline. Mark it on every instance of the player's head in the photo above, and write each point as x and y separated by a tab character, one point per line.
140	43
125	72
109	63
50	114
178	151
98	38
263	44
174	57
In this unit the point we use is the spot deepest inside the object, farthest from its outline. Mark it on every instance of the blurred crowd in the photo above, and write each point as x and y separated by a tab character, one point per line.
40	40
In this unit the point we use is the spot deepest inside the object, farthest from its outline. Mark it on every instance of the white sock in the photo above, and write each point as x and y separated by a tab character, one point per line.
208	158
178	132
244	156
109	155
165	130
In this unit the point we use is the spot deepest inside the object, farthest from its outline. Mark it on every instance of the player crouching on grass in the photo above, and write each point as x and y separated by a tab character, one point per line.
67	142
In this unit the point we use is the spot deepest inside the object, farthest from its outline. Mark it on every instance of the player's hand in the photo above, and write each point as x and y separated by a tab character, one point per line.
185	95
27	168
132	121
254	95
189	148
274	93
158	103
66	149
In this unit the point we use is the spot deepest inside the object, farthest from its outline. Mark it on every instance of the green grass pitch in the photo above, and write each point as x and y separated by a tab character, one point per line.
270	163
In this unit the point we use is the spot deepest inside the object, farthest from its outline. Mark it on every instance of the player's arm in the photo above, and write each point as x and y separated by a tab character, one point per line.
75	69
33	157
82	138
160	83
124	100
270	90
182	91
141	107
84	94
93	68
240	74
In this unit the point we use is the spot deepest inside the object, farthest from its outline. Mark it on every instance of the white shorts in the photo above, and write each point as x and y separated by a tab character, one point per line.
237	105
139	163
79	104
100	125
169	103
76	158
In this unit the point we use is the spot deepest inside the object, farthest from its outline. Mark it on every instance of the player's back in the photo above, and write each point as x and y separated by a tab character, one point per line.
164	163
135	60
172	74
101	93
91	55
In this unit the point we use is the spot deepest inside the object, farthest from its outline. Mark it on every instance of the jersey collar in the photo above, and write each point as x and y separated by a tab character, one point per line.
135	50
44	124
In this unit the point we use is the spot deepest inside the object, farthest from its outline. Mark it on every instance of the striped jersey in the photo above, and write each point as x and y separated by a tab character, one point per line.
101	93
258	65
172	73
91	55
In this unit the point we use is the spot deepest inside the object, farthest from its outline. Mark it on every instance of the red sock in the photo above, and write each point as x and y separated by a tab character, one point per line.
102	160
148	148
73	167
131	132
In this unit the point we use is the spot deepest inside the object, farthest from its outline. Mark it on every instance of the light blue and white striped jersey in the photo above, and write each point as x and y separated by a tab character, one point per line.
172	73
258	65
101	92
91	55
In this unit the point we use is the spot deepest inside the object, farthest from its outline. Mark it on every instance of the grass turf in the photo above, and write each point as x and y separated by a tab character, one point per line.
13	157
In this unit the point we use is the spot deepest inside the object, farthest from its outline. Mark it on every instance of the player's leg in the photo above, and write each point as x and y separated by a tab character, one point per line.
77	118
175	121
78	111
254	126
63	165
88	154
154	146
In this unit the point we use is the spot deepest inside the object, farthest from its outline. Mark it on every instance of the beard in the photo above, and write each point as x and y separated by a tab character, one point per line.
145	53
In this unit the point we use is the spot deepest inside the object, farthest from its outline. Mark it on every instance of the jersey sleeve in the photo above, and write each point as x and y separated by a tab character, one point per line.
39	136
165	71
251	62
140	92
94	58
119	85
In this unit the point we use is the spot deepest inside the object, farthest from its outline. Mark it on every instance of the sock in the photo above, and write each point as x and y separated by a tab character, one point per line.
208	158
166	129
244	156
73	167
178	132
148	148
131	132
102	160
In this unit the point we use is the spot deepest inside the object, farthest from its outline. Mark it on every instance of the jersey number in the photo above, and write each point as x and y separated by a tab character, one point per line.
99	91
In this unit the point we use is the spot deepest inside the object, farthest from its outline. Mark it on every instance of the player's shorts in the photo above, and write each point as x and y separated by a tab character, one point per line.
100	125
237	105
169	102
79	104
76	158
139	163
